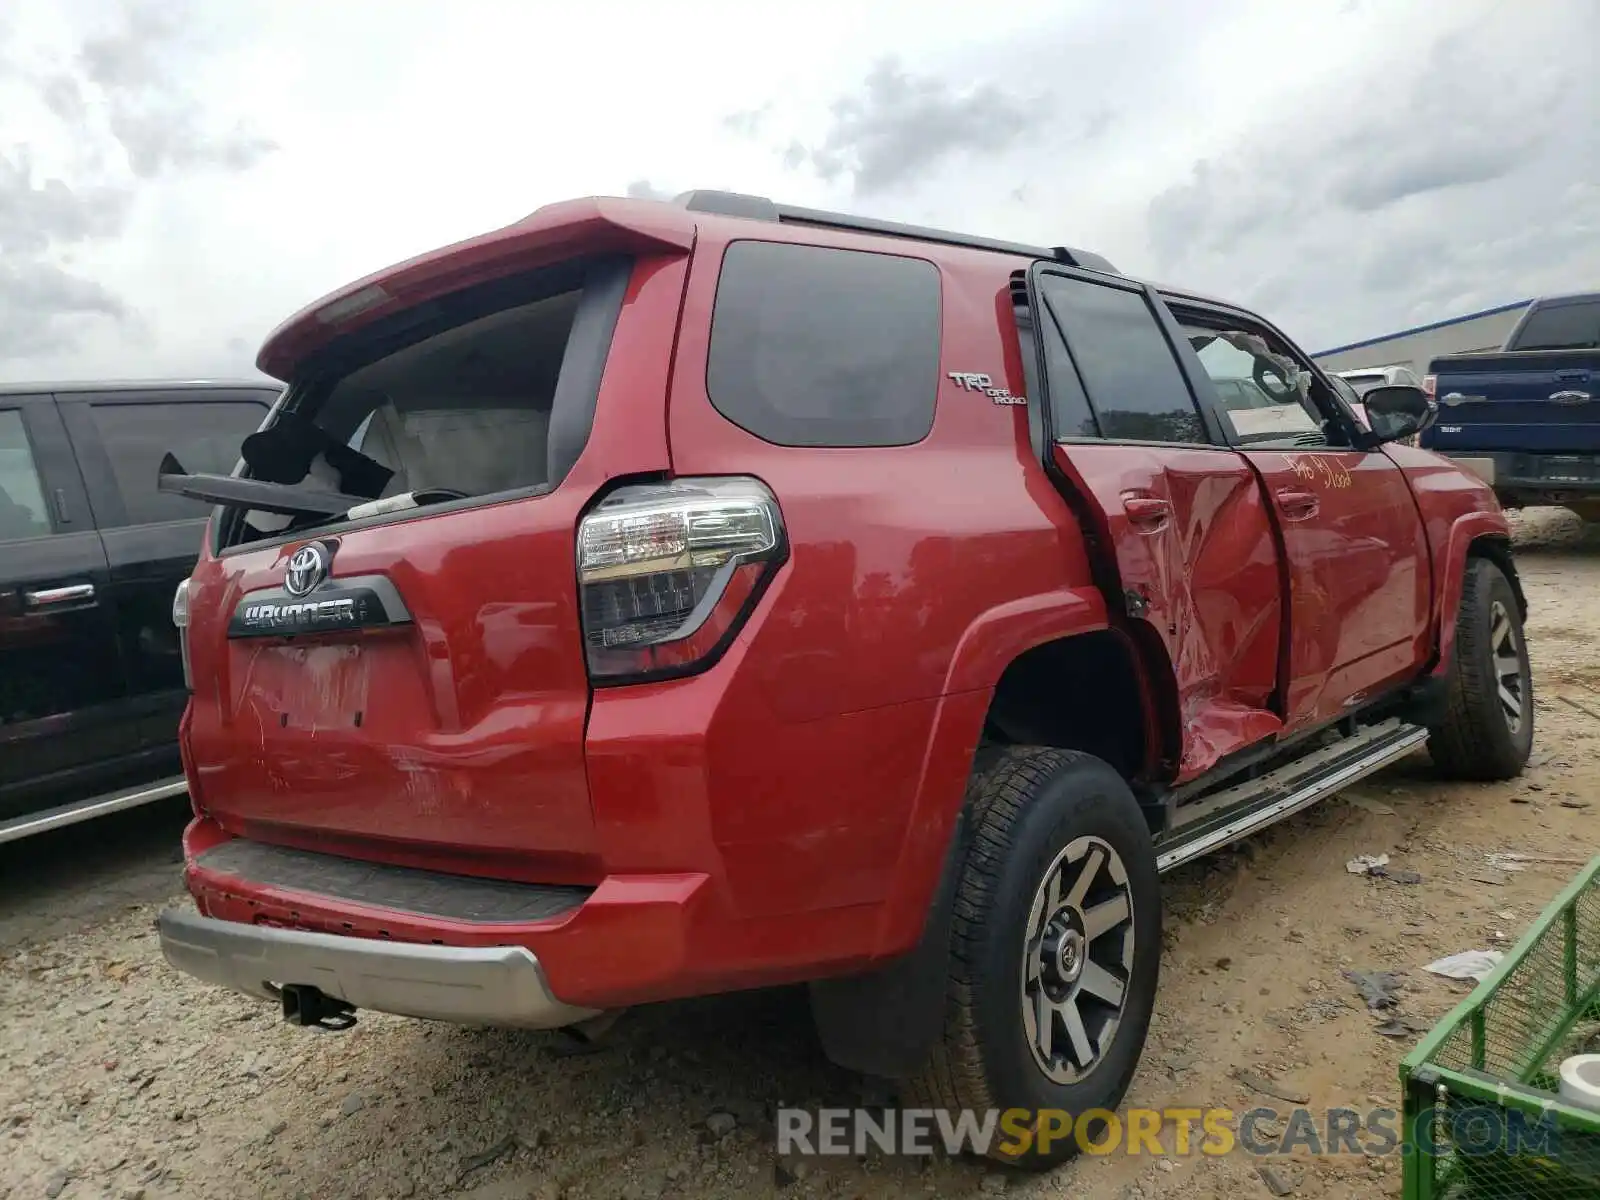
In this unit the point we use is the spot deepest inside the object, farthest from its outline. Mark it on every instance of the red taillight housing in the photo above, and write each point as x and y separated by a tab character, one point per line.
668	572
1429	384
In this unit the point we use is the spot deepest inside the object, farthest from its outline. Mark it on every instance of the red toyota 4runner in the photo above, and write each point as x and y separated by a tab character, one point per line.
648	600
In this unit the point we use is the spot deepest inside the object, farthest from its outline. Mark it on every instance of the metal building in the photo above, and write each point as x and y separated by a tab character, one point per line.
1415	348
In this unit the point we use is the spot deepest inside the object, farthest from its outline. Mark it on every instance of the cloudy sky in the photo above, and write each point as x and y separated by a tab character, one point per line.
176	179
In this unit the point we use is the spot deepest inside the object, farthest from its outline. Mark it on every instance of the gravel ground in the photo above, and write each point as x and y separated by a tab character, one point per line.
121	1078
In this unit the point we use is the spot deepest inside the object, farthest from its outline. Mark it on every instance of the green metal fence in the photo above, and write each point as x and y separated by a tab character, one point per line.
1482	1117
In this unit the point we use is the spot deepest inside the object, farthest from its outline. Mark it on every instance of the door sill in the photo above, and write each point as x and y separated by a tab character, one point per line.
1214	821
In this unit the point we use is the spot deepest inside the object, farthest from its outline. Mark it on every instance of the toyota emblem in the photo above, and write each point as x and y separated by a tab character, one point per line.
307	568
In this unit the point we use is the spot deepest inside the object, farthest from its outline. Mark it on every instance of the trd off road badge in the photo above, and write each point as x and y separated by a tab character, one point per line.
975	382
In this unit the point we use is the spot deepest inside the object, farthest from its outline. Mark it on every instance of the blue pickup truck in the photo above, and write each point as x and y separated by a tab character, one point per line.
1527	418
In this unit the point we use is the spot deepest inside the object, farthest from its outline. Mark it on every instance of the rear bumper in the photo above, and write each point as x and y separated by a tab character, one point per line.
396	936
490	985
395	939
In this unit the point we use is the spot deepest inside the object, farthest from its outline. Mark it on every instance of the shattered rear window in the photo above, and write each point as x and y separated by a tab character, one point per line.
467	409
455	402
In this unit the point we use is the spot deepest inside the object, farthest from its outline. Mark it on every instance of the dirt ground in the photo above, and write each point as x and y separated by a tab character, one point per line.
121	1078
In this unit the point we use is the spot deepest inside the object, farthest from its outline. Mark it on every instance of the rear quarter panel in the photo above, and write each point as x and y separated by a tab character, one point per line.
839	731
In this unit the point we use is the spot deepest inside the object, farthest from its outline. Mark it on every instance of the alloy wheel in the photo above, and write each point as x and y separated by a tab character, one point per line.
1077	959
1510	685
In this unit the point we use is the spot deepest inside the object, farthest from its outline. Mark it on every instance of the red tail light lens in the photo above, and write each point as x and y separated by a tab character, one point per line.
1429	383
666	573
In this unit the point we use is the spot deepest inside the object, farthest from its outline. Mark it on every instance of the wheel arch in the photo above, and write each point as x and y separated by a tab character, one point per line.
880	1022
1034	702
996	669
1496	548
1472	536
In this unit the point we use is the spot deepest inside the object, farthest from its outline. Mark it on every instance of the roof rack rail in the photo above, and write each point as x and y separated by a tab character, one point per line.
759	208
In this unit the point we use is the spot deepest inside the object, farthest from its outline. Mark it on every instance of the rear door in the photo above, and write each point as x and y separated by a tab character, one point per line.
61	676
1185	538
152	539
1353	538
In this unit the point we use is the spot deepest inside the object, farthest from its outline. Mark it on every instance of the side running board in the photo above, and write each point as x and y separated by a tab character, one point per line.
1213	821
87	810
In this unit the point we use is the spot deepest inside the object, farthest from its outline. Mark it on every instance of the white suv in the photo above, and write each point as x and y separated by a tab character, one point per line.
1364	379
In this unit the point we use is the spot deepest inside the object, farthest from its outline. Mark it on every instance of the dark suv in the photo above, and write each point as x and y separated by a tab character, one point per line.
647	600
91	676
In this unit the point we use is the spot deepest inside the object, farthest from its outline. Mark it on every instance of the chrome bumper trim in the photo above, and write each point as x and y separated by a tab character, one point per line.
469	985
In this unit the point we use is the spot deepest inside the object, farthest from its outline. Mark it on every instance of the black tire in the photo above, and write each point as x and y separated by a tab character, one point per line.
1480	738
1028	812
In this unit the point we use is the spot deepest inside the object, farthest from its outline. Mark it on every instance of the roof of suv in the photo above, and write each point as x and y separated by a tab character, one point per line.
141	385
1565	298
738	206
611	224
759	208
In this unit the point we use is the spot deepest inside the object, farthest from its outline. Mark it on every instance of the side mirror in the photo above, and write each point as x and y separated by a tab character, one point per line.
1397	411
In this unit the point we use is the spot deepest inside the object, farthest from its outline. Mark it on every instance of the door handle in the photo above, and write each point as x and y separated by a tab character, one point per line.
1578	376
1147	512
1296	504
72	595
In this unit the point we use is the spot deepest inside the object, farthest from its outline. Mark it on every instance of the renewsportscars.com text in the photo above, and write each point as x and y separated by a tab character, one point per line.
1258	1131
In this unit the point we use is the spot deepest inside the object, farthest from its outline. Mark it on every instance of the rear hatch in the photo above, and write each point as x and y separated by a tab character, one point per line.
407	680
1532	402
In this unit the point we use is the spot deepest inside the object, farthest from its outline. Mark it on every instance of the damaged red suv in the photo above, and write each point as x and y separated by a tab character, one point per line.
648	600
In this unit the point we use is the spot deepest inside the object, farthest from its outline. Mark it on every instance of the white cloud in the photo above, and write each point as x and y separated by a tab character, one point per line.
1450	174
173	182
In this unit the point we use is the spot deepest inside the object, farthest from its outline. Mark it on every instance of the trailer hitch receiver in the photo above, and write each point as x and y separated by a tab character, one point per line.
309	1006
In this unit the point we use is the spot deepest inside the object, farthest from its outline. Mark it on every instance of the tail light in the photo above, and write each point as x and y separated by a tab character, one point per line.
668	572
180	618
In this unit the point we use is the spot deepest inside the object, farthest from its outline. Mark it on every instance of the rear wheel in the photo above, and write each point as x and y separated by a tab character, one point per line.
1487	732
1055	953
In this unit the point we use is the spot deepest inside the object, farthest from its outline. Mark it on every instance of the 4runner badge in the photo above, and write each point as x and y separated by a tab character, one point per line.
307	568
974	382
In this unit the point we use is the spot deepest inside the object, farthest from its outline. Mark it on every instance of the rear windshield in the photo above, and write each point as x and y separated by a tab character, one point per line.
477	396
467	409
1562	327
